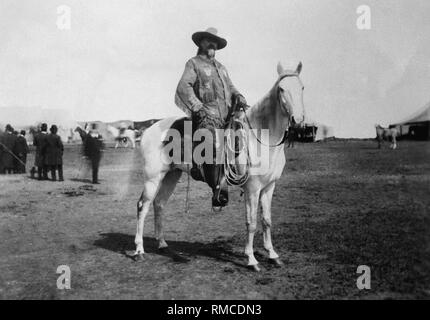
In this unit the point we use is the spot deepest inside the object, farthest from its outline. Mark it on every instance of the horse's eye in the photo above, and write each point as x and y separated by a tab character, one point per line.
281	89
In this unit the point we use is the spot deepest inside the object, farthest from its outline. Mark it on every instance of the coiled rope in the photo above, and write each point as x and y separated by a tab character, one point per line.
236	174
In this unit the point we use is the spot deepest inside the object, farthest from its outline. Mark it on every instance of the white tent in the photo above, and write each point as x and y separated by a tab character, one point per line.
417	125
26	117
324	132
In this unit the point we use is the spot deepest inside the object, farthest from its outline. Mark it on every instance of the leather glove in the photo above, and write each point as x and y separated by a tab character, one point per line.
240	102
200	113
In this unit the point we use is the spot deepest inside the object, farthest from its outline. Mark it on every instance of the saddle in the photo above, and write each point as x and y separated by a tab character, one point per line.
199	172
210	173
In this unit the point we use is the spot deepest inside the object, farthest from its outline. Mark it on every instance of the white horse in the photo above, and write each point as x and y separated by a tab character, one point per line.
123	137
388	134
273	113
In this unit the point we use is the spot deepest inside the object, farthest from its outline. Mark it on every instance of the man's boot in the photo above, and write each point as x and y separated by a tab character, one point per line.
196	172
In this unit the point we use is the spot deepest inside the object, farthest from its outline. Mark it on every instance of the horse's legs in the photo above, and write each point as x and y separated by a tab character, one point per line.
166	188
116	144
394	142
251	224
149	192
266	203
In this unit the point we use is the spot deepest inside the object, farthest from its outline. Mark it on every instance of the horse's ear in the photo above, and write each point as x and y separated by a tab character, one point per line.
280	68
299	68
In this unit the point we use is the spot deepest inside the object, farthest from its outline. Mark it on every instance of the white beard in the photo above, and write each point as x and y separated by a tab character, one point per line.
211	53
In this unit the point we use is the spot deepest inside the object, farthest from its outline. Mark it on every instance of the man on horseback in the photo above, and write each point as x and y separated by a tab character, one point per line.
205	91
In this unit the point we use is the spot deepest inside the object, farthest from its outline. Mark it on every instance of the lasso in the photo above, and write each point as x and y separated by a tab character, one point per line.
231	168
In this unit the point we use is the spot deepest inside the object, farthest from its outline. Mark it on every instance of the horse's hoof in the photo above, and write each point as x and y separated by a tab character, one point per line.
254	268
138	257
277	262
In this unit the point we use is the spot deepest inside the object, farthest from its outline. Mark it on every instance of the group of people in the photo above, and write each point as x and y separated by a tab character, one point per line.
49	154
13	151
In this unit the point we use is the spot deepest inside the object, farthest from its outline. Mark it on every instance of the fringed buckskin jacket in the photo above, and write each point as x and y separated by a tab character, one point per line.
206	84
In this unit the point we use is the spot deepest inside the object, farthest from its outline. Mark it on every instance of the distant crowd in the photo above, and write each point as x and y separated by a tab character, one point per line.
49	152
13	151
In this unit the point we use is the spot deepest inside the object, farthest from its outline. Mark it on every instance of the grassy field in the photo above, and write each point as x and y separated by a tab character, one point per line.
338	205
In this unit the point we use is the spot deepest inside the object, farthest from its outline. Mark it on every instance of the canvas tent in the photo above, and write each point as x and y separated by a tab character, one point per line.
143	125
24	118
102	129
324	132
311	131
416	126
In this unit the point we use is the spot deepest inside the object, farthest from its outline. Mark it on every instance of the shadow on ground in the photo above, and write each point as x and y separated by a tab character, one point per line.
178	251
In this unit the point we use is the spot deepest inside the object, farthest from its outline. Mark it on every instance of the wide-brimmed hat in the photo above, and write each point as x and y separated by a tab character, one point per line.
210	33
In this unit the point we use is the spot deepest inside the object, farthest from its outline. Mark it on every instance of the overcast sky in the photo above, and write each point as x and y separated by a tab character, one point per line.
123	59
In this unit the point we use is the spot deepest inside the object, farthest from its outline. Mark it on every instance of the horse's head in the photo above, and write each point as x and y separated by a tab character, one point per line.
289	90
81	132
79	129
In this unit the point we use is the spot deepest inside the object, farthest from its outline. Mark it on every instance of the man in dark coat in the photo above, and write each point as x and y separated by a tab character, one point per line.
39	142
54	154
21	151
93	146
8	146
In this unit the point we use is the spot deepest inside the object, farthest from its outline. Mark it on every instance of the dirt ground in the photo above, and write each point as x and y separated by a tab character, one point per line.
338	205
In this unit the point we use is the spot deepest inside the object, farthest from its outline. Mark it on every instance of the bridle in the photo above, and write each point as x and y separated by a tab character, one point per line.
284	137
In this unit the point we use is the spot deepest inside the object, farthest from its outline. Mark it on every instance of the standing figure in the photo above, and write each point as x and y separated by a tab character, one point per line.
93	146
39	142
54	153
8	145
21	151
